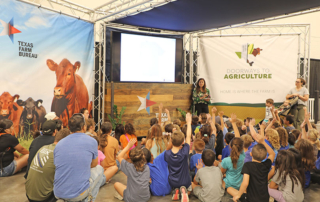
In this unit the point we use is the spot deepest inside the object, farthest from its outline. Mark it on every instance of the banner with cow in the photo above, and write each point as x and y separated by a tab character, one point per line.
46	65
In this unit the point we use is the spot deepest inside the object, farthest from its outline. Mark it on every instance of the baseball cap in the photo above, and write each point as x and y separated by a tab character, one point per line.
49	126
50	116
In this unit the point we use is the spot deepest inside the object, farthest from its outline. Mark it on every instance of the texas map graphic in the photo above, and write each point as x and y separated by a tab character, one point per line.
248	49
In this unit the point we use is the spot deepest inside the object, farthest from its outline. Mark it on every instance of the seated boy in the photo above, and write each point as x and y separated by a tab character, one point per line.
247	142
210	178
226	151
159	173
177	159
255	173
199	146
288	121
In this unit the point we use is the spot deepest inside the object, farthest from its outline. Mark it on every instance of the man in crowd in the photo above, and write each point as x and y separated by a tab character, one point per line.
78	176
39	184
49	131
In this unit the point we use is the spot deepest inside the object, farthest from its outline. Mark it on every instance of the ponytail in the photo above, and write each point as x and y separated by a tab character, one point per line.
103	141
205	131
205	138
236	149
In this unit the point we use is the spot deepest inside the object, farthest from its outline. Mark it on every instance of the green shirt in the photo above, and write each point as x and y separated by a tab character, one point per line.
39	184
196	97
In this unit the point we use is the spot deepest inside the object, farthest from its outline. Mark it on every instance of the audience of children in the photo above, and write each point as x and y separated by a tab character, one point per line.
242	169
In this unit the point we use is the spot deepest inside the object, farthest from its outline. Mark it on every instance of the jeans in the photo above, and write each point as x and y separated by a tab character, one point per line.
9	170
97	180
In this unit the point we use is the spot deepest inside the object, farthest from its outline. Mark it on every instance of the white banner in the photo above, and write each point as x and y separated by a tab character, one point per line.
248	69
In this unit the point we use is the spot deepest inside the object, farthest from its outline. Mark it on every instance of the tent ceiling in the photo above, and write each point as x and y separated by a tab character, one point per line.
193	15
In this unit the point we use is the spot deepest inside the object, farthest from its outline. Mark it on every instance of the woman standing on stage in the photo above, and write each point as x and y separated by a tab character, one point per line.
201	97
303	94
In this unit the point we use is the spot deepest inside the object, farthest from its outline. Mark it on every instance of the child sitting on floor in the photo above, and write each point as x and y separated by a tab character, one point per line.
124	139
287	183
247	142
226	150
101	155
209	178
159	173
177	159
138	175
255	173
199	146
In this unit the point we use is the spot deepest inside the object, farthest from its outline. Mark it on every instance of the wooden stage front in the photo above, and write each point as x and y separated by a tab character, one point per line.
172	96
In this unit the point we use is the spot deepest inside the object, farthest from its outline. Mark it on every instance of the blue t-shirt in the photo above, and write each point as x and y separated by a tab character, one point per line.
318	164
233	175
193	161
72	157
284	148
178	167
308	178
248	157
275	151
159	174
252	145
226	152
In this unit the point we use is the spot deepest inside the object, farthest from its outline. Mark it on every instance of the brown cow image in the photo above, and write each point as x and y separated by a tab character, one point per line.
70	93
32	116
9	109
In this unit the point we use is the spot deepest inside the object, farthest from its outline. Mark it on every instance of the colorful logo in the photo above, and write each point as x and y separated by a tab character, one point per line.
146	103
9	29
249	53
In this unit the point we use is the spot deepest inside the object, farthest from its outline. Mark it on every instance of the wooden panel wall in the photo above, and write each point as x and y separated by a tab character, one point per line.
172	96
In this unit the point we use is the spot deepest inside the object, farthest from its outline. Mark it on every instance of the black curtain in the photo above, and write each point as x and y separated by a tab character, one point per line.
314	75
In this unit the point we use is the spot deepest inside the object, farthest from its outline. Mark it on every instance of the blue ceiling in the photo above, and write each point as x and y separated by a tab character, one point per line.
193	15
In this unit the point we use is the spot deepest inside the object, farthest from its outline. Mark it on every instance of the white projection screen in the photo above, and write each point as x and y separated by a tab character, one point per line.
147	58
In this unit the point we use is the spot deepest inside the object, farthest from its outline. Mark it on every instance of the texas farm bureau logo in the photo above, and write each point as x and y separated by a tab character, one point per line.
146	103
9	29
25	48
247	52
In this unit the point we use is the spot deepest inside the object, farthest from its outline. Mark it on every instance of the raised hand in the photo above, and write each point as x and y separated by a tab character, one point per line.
233	118
199	164
252	122
160	106
214	110
166	111
220	113
188	118
208	117
132	142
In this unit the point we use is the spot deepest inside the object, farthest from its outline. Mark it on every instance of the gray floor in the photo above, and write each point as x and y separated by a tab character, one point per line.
12	189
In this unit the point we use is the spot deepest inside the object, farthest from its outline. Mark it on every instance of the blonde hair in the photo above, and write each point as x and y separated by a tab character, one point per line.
313	135
283	135
273	138
247	140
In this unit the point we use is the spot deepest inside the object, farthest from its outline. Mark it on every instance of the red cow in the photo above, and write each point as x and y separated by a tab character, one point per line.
70	93
9	109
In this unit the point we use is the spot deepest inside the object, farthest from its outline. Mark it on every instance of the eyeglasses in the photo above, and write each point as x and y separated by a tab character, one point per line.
297	81
82	116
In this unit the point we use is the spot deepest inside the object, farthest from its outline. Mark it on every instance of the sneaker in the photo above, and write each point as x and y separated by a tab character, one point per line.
118	196
184	194
175	196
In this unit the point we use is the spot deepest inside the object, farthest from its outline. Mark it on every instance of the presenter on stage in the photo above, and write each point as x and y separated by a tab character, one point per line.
303	94
201	97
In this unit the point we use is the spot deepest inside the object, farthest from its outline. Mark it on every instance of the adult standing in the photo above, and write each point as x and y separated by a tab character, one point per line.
303	94
201	97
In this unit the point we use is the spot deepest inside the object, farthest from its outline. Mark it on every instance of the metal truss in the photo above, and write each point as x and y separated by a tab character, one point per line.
99	75
302	30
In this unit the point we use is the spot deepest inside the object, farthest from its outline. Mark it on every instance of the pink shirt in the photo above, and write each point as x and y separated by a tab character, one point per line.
101	156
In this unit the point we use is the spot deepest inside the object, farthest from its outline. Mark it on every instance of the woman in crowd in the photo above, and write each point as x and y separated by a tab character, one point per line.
85	113
303	94
10	161
201	97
